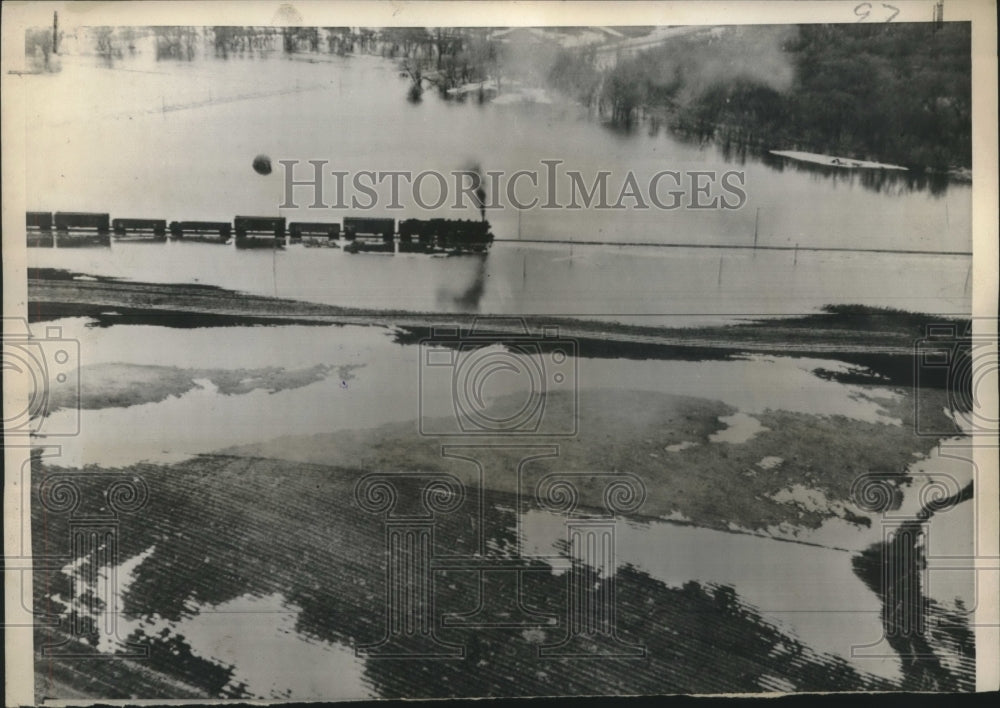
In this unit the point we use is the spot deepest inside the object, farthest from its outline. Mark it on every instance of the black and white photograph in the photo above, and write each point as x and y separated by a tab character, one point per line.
485	350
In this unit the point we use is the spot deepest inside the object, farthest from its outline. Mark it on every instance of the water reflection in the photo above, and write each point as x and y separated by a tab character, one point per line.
648	285
254	549
117	48
216	573
271	659
383	386
353	112
767	574
467	300
176	43
262	571
889	182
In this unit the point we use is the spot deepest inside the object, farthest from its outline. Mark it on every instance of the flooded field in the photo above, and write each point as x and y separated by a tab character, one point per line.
336	510
211	178
189	111
790	615
349	401
679	287
351	377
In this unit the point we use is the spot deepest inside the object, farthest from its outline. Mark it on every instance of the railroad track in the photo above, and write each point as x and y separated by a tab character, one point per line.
49	297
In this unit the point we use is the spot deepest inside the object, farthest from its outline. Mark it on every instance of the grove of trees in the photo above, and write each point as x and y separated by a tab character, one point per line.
898	93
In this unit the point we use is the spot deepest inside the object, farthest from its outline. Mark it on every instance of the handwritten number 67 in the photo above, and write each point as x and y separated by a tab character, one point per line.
864	11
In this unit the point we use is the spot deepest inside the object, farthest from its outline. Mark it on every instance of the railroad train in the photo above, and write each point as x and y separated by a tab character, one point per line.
361	234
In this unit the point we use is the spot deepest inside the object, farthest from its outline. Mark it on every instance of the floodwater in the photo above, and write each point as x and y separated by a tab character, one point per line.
175	140
809	591
384	383
648	285
800	581
256	636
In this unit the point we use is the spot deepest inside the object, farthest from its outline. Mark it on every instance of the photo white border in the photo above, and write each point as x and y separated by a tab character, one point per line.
17	16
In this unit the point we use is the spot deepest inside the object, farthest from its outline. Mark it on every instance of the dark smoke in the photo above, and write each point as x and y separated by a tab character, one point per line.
479	180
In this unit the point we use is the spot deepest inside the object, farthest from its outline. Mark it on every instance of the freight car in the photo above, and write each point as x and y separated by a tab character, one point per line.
364	234
139	229
39	229
314	233
371	235
260	231
368	228
78	228
206	231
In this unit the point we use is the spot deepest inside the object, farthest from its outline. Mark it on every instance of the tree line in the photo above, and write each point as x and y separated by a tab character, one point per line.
898	93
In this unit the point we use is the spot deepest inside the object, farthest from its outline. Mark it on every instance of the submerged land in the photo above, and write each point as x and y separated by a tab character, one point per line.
249	566
275	518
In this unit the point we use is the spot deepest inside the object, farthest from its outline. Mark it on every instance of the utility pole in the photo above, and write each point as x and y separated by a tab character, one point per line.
55	32
756	221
